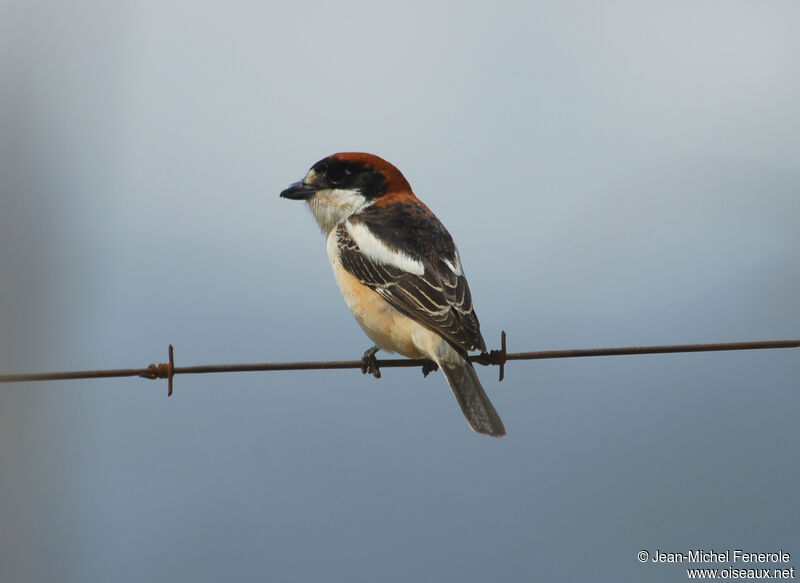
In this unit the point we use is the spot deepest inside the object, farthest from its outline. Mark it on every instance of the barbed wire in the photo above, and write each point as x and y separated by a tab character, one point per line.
494	357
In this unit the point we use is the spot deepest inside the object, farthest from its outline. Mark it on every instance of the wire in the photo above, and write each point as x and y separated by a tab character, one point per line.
494	357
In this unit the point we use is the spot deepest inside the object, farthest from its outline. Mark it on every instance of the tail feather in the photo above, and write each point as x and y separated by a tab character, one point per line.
474	402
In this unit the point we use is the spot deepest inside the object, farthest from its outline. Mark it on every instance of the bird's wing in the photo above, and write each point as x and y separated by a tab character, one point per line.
409	258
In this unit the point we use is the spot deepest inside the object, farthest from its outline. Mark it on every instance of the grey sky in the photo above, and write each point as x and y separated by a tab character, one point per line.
613	173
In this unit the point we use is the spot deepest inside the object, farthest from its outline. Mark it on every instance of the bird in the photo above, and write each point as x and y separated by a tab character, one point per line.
399	272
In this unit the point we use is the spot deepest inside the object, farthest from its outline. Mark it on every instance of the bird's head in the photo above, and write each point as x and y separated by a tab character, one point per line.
344	183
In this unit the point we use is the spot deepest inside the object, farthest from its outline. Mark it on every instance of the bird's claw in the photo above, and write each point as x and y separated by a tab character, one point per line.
369	364
428	367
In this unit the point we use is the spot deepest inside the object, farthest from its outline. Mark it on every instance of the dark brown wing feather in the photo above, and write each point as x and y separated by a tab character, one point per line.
439	298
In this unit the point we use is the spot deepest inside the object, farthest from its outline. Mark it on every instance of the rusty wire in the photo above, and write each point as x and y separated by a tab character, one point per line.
494	357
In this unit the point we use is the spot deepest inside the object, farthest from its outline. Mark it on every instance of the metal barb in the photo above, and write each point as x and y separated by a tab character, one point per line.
502	355
494	357
171	371
161	371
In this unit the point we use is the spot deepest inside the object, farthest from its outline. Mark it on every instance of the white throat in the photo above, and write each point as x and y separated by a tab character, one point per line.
332	206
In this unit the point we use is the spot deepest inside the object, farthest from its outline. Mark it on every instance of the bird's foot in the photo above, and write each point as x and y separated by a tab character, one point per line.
369	364
428	367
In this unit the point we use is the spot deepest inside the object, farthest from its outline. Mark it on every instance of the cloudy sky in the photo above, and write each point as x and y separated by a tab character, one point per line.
613	173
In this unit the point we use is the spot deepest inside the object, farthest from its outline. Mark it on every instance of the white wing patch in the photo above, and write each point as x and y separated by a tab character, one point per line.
376	250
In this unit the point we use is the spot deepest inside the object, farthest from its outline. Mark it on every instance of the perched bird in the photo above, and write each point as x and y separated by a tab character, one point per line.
399	272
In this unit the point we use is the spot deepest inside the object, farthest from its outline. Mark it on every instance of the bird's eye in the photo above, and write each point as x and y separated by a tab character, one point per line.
338	174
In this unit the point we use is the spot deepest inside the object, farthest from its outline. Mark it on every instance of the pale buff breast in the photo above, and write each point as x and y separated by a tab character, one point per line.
386	326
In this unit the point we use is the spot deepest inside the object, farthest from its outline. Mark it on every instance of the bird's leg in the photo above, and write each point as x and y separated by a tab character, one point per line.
428	367
369	364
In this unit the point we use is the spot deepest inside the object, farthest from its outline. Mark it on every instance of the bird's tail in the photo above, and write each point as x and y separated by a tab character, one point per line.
474	402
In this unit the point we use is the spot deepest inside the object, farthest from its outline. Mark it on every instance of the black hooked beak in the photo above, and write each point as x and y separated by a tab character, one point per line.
299	191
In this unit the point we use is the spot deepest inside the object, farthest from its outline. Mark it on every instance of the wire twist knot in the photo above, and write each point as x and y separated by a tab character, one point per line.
164	370
495	357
